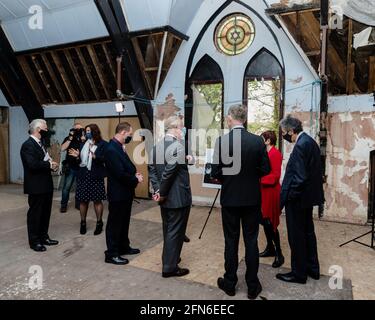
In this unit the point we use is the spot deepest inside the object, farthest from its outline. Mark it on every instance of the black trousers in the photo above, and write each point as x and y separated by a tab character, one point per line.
174	228
232	218
302	239
117	229
38	217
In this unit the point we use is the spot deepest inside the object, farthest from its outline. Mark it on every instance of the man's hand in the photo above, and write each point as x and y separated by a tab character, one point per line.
139	176
73	152
156	196
54	166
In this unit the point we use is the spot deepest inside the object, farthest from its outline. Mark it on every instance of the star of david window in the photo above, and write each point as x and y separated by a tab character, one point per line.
234	34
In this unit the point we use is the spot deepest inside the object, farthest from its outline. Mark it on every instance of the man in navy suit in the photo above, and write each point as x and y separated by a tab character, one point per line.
122	181
302	189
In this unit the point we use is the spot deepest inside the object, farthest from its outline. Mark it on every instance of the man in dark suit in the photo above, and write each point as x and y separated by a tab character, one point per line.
170	180
122	181
38	184
240	160
302	189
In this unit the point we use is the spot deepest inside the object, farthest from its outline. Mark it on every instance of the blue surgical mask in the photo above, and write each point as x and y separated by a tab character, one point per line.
184	130
88	135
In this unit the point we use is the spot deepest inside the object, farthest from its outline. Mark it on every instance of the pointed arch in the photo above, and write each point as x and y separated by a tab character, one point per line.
264	65
206	70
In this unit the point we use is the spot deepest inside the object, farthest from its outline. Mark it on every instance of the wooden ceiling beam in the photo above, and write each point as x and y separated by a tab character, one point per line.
43	78
110	61
88	74
64	76
53	75
76	74
31	79
99	70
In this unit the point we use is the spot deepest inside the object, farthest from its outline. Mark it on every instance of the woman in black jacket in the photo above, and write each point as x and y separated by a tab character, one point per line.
90	183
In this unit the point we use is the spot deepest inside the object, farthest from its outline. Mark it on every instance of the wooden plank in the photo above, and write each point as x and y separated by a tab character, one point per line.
350	87
64	76
76	74
88	73
371	82
349	79
109	60
99	70
31	79
43	78
141	63
53	76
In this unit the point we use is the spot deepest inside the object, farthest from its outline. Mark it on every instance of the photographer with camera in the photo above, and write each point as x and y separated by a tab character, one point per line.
70	165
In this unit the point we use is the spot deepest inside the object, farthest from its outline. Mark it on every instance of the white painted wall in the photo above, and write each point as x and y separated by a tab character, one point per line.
297	73
88	110
18	128
361	103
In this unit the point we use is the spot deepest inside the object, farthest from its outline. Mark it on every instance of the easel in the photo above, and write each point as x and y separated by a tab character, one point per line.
209	213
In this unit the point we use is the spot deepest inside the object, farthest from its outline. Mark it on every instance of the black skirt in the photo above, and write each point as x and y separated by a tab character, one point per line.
90	188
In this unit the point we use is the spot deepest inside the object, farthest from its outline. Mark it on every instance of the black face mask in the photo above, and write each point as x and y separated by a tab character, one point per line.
287	137
44	134
128	139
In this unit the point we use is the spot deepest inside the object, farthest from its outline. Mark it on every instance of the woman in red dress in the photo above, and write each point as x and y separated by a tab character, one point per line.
270	188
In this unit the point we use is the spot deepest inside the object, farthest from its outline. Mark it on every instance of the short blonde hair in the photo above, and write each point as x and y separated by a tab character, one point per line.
238	112
172	122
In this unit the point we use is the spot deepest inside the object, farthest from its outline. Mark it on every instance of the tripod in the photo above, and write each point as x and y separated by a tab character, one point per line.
372	232
209	213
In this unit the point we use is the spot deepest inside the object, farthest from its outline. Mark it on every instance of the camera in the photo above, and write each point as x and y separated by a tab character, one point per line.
76	133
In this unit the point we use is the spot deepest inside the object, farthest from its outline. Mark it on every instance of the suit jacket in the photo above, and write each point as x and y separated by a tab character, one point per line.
168	170
303	180
241	187
121	173
37	172
98	169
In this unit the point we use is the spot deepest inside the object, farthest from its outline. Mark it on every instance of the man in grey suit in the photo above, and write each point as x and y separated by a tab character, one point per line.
170	180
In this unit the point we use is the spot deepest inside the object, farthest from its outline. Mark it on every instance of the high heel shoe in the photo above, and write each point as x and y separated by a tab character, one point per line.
83	229
99	228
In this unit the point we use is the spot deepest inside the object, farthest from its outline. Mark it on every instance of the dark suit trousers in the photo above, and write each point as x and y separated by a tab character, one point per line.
117	229
174	228
302	239
232	218
38	217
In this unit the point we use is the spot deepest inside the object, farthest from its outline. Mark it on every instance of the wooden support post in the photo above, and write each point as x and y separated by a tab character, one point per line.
371	72
349	78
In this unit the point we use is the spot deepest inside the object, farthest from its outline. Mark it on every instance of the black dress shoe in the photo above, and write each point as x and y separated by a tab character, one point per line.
290	277
131	251
268	252
221	284
99	228
180	272
186	238
50	242
253	294
38	248
83	228
116	260
63	209
313	275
